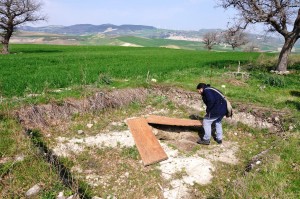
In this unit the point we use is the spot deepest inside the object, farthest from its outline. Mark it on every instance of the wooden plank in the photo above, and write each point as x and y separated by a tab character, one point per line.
154	119
148	146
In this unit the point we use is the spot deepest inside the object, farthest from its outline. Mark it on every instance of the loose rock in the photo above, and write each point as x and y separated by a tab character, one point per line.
61	195
33	190
89	125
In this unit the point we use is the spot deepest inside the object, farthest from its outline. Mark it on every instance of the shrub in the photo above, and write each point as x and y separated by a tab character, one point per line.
265	62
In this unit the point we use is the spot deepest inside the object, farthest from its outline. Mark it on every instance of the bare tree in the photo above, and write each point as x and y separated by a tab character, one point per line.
235	38
277	15
14	13
210	39
251	47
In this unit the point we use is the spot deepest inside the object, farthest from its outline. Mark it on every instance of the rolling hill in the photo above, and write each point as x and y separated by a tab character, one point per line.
132	35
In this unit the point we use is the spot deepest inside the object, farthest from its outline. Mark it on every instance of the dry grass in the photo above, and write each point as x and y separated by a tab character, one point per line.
111	172
44	116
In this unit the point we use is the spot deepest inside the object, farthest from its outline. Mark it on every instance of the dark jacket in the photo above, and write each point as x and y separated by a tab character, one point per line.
215	103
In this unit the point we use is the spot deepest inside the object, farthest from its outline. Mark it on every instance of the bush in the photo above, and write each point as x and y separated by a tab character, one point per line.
265	62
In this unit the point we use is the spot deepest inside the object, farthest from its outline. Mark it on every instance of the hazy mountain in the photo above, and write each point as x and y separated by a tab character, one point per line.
81	29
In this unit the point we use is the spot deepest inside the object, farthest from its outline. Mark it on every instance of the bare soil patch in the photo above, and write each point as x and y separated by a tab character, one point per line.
99	158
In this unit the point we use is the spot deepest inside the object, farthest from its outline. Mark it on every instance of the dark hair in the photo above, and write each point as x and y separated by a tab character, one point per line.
202	85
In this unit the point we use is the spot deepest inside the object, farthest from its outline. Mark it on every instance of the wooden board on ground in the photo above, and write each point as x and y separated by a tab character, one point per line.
154	119
148	146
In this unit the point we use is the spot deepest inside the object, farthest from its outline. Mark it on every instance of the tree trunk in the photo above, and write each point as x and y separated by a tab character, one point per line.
284	54
5	47
5	41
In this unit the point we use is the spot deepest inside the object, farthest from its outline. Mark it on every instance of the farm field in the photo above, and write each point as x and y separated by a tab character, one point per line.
76	65
54	122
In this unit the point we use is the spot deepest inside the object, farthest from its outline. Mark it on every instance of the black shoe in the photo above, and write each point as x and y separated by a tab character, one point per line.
219	141
204	142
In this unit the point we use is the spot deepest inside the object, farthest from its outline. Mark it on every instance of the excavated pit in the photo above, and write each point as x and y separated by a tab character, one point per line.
45	117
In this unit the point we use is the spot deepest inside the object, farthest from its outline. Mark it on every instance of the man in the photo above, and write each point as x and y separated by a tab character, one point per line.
216	109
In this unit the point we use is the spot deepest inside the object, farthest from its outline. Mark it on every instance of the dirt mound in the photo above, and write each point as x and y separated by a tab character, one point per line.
179	96
42	116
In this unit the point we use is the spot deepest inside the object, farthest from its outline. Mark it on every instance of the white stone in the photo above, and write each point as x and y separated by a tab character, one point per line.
89	125
96	197
19	158
60	195
127	174
33	190
258	162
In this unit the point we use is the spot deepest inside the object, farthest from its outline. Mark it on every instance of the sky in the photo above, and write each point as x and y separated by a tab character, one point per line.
168	14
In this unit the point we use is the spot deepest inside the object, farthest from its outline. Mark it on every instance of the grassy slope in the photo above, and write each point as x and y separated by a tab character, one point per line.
162	42
17	177
40	68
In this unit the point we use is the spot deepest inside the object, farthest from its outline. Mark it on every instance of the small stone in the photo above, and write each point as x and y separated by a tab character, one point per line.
258	162
235	134
60	195
80	132
89	125
155	132
71	197
19	158
276	119
228	180
127	174
33	190
96	197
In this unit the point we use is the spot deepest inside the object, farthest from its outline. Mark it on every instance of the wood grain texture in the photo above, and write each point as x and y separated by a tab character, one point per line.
147	144
154	119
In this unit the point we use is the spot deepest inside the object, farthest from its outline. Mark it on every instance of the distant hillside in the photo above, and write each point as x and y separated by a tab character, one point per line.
133	35
81	29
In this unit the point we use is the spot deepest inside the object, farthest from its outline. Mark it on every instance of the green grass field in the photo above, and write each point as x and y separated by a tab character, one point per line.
77	70
37	67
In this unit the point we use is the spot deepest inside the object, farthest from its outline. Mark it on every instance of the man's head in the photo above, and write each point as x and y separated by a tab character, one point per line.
200	87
